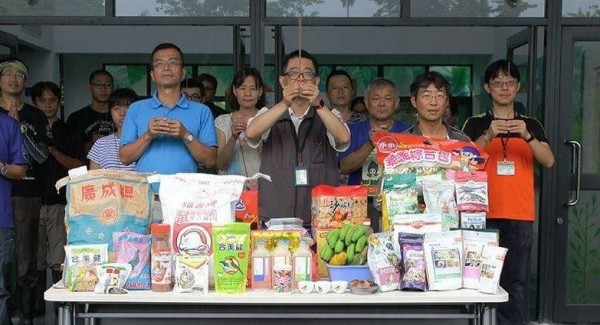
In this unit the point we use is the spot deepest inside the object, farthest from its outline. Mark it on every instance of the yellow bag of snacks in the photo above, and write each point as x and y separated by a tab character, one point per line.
231	254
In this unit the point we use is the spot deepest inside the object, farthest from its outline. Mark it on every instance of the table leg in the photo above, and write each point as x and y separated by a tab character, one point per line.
489	315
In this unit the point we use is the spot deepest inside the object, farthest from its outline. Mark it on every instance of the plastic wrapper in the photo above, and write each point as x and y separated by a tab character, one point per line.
400	197
81	263
112	278
472	191
332	206
191	273
231	256
439	198
443	258
473	220
383	261
419	223
491	268
412	266
473	243
134	249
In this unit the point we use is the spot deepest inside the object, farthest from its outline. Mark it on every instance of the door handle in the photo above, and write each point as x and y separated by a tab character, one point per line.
576	169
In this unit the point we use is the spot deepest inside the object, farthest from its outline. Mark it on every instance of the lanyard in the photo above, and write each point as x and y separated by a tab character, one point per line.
504	141
300	146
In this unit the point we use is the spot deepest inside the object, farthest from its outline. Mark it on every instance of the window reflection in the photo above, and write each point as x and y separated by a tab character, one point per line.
183	8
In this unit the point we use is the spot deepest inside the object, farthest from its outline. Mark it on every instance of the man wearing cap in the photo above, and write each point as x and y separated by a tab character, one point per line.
26	192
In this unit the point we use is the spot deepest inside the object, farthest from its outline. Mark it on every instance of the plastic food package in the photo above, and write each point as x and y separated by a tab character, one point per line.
443	258
473	220
439	198
81	266
415	224
191	273
231	256
472	191
112	277
399	197
134	249
491	268
332	206
383	261
473	242
412	265
246	208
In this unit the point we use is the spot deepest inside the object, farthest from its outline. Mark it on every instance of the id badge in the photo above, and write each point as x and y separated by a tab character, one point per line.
301	176
505	168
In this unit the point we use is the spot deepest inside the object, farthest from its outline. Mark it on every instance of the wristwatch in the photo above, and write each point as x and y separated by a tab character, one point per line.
4	169
188	138
320	104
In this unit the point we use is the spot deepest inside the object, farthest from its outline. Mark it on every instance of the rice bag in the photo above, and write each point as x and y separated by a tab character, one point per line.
471	191
191	273
491	268
112	277
231	255
383	261
81	266
473	242
472	220
443	258
439	198
412	267
134	249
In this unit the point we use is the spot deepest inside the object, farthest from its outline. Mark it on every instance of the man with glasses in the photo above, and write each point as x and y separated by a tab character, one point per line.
301	137
168	125
514	143
93	121
359	160
26	192
210	89
193	90
430	96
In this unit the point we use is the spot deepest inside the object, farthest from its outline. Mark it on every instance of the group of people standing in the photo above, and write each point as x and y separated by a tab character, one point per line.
299	141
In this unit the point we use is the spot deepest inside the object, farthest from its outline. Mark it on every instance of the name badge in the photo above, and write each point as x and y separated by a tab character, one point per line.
301	176
505	168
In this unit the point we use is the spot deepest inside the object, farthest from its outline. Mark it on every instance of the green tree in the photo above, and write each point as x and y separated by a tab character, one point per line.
292	8
204	8
347	4
592	11
456	8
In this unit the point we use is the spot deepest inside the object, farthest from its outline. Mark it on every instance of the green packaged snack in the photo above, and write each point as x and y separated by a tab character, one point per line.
231	254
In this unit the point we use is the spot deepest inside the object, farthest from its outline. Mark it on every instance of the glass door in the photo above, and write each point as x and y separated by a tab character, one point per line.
577	240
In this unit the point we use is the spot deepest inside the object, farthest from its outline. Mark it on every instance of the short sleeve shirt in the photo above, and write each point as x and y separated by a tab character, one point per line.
11	152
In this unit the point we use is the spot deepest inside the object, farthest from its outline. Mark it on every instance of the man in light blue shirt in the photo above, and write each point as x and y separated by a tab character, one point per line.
168	133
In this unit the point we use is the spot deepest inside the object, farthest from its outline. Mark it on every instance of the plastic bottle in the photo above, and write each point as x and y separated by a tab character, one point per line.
282	268
261	267
162	262
302	264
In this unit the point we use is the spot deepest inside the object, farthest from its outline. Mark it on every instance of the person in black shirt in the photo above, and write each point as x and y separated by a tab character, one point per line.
26	193
94	121
210	89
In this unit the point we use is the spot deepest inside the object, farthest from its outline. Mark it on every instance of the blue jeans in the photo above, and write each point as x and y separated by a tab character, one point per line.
7	250
517	236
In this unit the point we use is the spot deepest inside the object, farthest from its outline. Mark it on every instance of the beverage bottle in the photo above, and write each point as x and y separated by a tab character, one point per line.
302	263
161	259
282	268
261	267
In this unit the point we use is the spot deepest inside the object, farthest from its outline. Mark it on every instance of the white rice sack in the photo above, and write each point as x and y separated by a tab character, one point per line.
491	268
473	242
443	258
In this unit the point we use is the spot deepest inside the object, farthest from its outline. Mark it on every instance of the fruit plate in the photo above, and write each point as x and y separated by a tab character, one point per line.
363	291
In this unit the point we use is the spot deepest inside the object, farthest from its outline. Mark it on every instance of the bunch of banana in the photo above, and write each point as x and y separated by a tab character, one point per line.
346	246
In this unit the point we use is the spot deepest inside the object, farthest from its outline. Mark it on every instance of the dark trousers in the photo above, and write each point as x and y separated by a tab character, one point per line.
517	236
27	220
7	251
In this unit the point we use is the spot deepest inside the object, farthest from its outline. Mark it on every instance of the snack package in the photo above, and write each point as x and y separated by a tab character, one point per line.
332	206
399	197
191	273
246	208
112	277
443	258
134	249
231	256
102	202
473	242
415	224
200	198
439	198
412	266
81	266
491	268
406	150
471	191
383	261
473	220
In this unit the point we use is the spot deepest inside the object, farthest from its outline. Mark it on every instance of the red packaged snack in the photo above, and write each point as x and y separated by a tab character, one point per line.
246	209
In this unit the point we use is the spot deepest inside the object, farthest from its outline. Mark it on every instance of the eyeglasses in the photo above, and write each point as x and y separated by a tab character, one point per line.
100	85
160	64
193	97
499	84
19	75
428	97
306	75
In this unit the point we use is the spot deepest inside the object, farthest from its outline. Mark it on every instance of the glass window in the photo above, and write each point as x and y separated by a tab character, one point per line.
183	8
361	77
402	76
459	78
344	8
134	76
52	8
470	8
580	8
